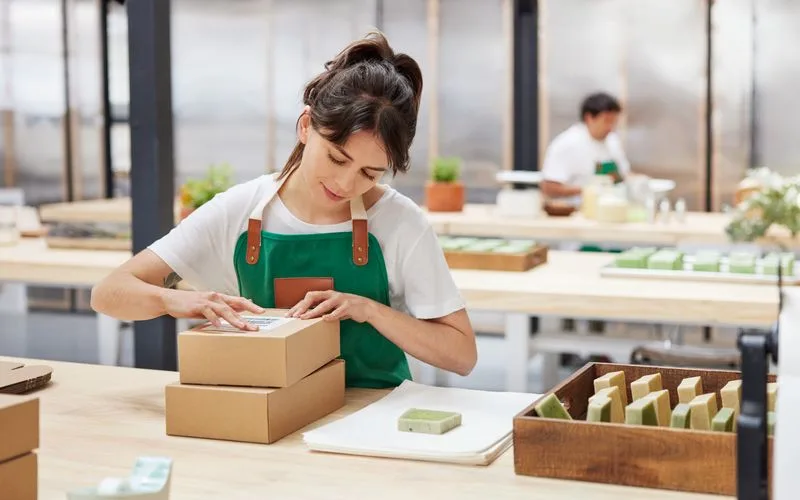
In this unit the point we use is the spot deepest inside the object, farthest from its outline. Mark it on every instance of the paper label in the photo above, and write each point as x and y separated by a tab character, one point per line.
264	323
149	480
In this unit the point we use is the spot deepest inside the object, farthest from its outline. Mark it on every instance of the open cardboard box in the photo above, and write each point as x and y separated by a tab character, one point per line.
281	353
253	414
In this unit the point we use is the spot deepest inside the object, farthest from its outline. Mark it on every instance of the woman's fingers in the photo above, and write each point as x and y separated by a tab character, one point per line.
308	302
324	307
229	315
340	313
241	304
211	315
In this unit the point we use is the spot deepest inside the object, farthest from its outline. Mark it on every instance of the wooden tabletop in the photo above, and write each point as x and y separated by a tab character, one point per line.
96	420
482	220
568	285
699	228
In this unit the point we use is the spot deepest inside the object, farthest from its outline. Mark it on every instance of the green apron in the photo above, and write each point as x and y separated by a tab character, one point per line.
352	260
609	168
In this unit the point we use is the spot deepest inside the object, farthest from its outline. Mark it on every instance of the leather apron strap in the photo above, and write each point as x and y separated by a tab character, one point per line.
358	214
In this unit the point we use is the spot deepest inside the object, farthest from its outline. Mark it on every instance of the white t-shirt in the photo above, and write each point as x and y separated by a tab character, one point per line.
572	156
200	248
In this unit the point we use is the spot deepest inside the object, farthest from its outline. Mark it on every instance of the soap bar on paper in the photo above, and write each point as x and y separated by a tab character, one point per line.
613	379
663	410
772	394
731	394
641	412
550	407
689	388
723	420
770	423
428	421
704	407
680	416
617	409
643	386
770	263
599	409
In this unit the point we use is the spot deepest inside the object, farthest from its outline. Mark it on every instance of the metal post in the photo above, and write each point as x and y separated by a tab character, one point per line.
108	169
152	171
526	92
526	85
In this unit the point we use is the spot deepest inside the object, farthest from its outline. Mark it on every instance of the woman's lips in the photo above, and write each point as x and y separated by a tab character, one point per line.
331	195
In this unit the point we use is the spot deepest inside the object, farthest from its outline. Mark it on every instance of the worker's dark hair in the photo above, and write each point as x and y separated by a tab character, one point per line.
367	86
597	103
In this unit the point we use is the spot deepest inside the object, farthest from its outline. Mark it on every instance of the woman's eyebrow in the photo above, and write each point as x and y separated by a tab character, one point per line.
341	150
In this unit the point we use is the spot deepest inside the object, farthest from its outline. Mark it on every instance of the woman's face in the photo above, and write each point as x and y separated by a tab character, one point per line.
336	174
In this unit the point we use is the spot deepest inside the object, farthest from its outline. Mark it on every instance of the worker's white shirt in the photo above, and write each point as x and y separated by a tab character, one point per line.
201	248
573	155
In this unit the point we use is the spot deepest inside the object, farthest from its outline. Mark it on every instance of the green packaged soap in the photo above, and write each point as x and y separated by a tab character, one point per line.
770	423
723	420
550	407
770	264
668	259
599	409
742	263
428	421
707	261
681	416
484	245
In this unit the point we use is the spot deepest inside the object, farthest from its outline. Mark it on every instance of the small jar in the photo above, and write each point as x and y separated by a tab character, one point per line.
9	230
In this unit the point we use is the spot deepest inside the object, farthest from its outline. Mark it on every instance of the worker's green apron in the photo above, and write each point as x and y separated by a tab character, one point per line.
352	260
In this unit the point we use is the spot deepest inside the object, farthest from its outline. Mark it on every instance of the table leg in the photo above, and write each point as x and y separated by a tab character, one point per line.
14	319
517	338
108	339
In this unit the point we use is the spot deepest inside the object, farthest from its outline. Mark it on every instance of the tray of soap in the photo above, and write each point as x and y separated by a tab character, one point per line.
492	254
706	265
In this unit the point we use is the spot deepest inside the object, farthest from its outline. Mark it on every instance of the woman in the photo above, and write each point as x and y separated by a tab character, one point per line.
323	238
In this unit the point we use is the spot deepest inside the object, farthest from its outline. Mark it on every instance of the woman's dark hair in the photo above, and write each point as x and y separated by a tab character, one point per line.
601	102
367	86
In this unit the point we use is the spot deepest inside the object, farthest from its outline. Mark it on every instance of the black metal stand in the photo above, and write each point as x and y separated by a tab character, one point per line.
152	170
757	348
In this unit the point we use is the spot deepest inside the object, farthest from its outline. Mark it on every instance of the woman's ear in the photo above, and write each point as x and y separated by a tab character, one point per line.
304	125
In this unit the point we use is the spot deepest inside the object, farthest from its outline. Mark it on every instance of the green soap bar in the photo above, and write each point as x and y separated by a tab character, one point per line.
681	416
551	407
515	247
641	412
428	421
631	260
770	423
599	409
742	263
707	261
666	260
770	263
723	420
486	245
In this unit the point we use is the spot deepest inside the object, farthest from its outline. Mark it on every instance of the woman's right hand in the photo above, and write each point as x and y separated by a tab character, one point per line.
213	306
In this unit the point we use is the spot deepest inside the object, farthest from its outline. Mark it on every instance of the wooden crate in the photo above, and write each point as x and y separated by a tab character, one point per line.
652	457
491	261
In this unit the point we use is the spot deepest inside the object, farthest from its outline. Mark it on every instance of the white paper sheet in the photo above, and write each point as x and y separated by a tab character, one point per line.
786	481
485	430
264	323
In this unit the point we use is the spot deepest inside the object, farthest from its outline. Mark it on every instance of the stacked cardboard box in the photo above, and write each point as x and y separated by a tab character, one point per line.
255	386
19	439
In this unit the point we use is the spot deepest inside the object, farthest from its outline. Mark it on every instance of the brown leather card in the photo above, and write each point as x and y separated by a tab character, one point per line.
290	291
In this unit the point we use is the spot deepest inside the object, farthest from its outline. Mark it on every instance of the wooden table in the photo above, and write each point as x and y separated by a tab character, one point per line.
568	286
96	420
700	228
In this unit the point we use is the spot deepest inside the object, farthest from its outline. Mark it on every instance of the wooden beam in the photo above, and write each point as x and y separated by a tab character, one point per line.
432	78
7	121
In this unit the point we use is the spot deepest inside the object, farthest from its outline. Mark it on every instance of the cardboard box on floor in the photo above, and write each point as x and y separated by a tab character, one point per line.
19	437
251	414
280	354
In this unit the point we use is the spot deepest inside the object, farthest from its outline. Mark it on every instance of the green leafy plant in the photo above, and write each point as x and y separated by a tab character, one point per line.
446	169
777	202
196	192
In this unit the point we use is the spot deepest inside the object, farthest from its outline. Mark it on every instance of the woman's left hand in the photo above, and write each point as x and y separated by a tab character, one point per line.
332	306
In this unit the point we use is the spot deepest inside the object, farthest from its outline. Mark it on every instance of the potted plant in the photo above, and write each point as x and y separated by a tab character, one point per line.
195	192
770	200
445	192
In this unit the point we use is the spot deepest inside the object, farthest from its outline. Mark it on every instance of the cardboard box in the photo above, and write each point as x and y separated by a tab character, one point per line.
19	425
19	478
278	355
250	414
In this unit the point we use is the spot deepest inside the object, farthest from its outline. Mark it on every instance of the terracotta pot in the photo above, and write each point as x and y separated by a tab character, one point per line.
185	211
444	196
